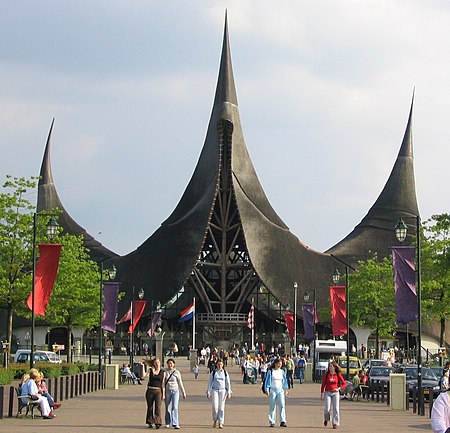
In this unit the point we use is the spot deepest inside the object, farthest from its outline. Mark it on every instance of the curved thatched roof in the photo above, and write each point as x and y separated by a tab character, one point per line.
397	200
165	260
48	199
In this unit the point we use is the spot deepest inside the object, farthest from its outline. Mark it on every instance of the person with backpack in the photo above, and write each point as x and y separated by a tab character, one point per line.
301	365
275	386
218	390
332	383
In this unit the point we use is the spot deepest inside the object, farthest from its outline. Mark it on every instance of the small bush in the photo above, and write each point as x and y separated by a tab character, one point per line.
82	366
6	376
69	369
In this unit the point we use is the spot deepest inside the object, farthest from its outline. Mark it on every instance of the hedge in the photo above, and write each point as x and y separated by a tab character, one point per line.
6	376
16	371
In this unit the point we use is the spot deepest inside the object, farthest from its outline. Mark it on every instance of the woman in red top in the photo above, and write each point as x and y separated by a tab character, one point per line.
332	383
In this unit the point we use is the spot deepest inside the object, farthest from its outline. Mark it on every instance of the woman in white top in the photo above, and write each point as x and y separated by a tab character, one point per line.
275	386
440	414
174	385
219	389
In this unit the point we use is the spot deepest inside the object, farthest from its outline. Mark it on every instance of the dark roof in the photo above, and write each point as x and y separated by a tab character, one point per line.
48	199
165	260
397	200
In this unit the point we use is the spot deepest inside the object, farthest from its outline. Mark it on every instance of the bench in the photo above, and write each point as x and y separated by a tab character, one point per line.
29	404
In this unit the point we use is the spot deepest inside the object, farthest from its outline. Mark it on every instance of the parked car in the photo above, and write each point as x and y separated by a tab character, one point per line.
23	356
379	374
438	371
354	363
373	363
430	383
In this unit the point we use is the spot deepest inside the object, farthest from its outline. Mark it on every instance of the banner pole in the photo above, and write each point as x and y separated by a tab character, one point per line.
193	325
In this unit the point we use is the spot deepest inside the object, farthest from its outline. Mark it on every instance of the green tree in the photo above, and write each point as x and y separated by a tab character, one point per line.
371	297
75	296
16	237
435	270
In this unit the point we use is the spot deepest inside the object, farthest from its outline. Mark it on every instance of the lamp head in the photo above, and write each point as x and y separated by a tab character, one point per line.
401	229
112	272
52	228
336	276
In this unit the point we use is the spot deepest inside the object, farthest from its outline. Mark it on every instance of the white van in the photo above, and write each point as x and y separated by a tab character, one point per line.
23	356
326	350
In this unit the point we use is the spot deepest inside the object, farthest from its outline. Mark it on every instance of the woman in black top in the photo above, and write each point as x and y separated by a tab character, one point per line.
155	394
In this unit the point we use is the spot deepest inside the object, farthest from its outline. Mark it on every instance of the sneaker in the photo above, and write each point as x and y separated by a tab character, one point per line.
220	425
271	424
157	425
49	416
56	406
214	424
283	424
325	423
335	426
167	425
176	427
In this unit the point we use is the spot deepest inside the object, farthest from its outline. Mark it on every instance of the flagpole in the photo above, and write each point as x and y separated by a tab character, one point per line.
295	317
253	324
193	325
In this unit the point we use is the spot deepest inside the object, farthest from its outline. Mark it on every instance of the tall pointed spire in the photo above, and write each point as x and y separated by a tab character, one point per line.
225	91
46	176
48	199
396	200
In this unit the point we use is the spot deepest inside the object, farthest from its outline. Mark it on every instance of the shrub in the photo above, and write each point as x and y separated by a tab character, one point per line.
6	376
82	366
69	369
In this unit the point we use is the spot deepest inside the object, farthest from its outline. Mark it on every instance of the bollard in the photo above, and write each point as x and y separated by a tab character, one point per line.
12	399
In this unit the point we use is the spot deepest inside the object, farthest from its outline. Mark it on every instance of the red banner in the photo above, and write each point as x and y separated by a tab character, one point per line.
138	309
289	319
338	312
44	278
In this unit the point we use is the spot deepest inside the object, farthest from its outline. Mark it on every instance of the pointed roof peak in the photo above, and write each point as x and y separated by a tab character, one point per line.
45	174
225	90
406	149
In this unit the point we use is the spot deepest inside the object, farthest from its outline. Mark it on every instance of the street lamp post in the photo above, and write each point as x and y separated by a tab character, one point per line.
336	277
111	275
306	298
140	295
51	230
295	317
400	232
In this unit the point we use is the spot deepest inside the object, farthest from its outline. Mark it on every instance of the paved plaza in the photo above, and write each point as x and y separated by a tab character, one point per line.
124	410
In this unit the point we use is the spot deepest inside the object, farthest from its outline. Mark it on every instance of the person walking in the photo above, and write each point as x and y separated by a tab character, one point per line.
275	386
290	366
218	390
332	383
301	365
155	394
174	386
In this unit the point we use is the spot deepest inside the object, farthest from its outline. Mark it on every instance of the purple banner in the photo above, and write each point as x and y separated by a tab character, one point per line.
405	283
156	316
110	293
308	321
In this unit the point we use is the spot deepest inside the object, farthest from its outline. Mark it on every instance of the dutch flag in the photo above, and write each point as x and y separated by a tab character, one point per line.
187	313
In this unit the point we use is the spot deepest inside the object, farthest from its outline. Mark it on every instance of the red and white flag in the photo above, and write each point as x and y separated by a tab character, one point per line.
251	318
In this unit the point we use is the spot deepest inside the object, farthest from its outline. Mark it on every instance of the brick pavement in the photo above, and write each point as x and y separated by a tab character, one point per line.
124	410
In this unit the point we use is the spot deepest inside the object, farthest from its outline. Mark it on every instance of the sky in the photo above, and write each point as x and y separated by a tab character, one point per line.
324	91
